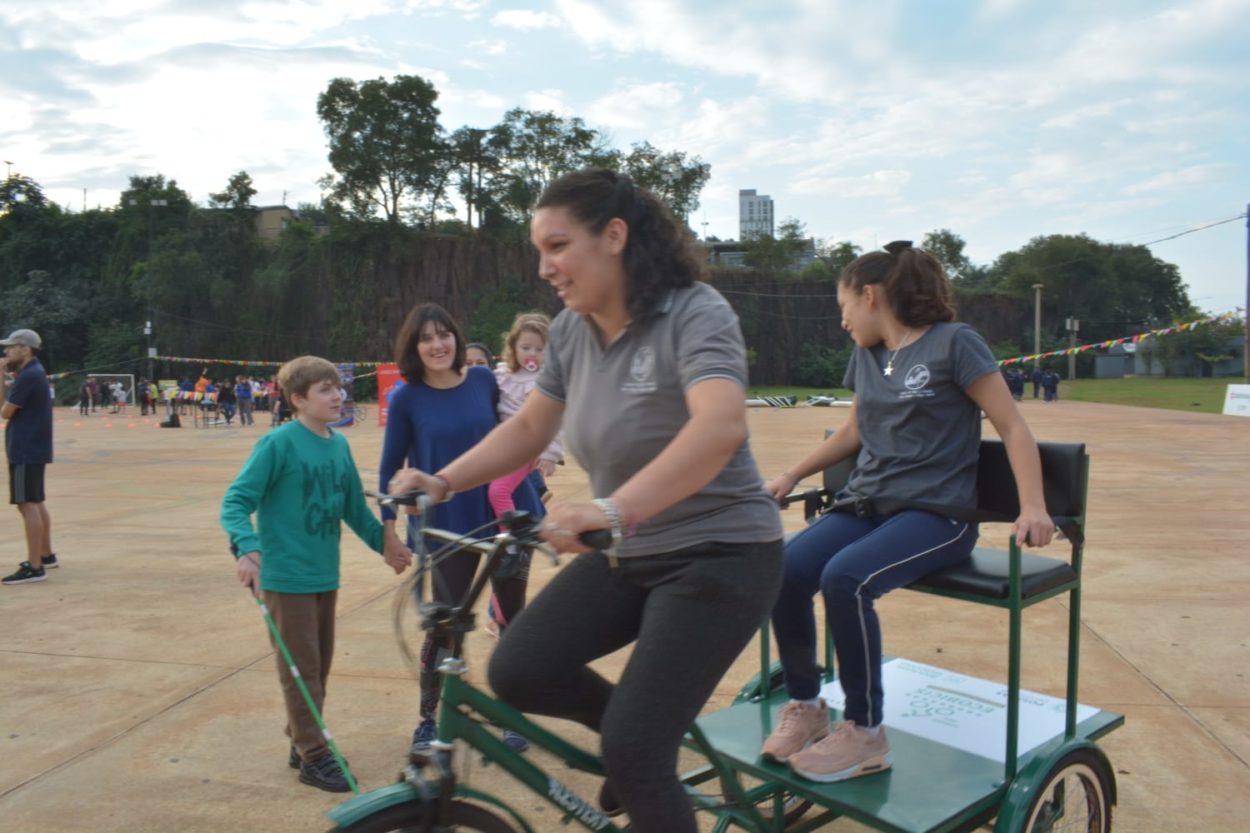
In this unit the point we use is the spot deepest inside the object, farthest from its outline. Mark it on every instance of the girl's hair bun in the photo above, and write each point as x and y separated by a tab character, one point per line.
897	247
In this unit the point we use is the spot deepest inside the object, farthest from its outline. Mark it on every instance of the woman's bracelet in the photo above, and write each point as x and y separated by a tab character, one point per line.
613	513
448	492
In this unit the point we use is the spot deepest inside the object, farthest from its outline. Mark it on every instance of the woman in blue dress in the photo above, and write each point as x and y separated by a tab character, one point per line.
444	410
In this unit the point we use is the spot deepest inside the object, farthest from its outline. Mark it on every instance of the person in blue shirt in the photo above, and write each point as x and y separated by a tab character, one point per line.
28	444
243	392
443	410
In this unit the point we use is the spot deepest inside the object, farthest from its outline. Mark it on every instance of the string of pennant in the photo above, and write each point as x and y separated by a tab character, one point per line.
250	362
1116	342
1067	351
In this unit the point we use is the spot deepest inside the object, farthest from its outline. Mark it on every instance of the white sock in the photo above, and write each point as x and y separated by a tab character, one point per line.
870	730
814	702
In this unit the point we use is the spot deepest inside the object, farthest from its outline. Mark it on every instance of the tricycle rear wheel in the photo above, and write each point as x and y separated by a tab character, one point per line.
410	817
1075	797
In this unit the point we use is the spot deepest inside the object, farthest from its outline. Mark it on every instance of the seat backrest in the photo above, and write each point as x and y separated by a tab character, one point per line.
1063	480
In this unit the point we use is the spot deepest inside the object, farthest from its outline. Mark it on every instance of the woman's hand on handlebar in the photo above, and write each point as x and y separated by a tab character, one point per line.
565	521
415	480
781	485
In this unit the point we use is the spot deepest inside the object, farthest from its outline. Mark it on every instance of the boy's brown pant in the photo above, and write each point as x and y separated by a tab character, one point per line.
306	622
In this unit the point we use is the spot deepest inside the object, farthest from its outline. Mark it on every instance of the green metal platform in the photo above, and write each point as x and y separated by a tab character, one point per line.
931	788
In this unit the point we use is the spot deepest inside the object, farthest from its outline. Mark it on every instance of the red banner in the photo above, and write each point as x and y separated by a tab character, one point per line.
388	380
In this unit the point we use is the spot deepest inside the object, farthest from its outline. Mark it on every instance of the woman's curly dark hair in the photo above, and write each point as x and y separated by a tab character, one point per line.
916	288
659	252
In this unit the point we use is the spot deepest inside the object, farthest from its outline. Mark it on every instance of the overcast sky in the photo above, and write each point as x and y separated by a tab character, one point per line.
868	121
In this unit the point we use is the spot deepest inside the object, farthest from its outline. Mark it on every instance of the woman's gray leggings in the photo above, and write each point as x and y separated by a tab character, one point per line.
690	612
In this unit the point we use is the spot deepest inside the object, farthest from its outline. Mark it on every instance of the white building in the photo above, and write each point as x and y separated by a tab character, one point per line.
755	214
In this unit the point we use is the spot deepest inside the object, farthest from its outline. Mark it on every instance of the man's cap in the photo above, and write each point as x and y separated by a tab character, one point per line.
29	338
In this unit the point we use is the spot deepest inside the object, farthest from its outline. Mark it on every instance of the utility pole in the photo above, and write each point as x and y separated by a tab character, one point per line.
1037	321
1074	324
147	270
1245	348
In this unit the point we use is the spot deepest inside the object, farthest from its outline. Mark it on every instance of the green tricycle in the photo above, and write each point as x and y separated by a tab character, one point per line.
968	753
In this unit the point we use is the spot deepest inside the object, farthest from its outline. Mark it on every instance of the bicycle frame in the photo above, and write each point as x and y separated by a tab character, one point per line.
462	705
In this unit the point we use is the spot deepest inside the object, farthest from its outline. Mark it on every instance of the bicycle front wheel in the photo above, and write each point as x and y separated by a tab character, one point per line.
410	817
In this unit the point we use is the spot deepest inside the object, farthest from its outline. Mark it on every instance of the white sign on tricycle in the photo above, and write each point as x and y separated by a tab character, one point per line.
965	712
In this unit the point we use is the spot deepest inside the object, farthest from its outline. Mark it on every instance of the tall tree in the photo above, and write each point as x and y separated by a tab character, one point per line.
675	178
477	161
780	253
237	194
1109	287
536	147
21	195
948	248
386	145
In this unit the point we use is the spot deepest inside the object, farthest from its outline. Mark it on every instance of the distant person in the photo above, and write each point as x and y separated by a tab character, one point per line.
243	393
28	445
478	355
94	387
1050	386
227	400
84	399
302	484
1038	376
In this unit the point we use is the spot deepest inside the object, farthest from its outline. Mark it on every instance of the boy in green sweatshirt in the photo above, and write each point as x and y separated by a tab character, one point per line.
301	483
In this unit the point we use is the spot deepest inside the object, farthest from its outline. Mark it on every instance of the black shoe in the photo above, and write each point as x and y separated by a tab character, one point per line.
608	801
50	562
324	774
26	574
293	762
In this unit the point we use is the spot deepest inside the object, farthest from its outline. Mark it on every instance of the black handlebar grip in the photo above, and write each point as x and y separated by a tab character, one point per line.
599	539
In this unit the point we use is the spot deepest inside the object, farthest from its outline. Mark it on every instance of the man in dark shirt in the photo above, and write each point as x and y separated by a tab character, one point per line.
28	444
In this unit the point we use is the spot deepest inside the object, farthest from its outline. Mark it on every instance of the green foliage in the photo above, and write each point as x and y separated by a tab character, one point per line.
386	145
1196	352
948	248
838	255
20	195
1112	288
674	178
779	253
495	311
820	366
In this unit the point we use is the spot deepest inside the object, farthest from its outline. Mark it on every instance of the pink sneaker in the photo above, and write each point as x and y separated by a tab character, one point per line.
798	725
848	752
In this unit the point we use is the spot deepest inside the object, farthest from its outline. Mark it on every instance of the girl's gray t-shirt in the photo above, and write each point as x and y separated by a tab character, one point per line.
920	433
624	403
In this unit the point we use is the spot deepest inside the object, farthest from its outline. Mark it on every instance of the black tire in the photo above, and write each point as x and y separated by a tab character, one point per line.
1075	797
409	816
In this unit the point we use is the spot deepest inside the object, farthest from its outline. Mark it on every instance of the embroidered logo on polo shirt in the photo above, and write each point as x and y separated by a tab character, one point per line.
915	383
917	377
642	372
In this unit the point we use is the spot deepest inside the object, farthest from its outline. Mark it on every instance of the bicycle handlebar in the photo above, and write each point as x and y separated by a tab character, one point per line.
598	539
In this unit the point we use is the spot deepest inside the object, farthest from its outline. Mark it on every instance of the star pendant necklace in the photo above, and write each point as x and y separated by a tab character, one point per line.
889	366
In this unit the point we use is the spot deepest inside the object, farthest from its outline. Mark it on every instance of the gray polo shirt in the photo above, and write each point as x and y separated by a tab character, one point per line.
624	403
919	430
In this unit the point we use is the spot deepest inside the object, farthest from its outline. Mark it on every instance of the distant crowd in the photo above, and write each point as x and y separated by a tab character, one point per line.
1044	381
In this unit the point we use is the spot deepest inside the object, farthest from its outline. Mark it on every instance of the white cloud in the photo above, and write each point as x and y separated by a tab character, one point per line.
1178	180
883	183
549	99
487	47
636	106
525	19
